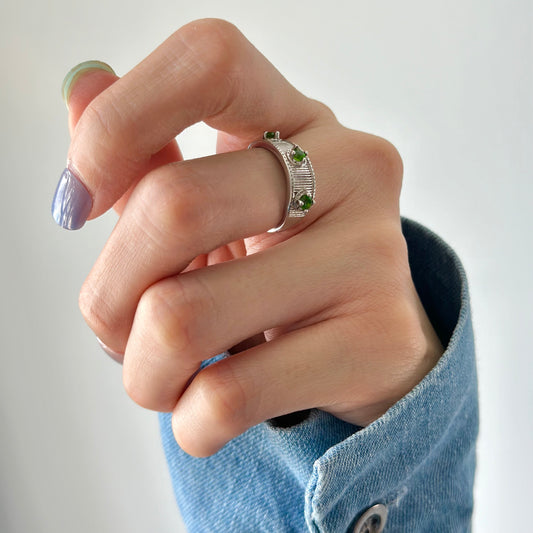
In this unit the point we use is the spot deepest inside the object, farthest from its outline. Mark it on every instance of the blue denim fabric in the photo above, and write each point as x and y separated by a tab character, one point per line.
321	474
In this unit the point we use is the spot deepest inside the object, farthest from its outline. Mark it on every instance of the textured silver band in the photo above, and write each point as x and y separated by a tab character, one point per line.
299	173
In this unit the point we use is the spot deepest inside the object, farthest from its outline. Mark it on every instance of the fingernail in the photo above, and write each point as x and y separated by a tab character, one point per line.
74	73
72	202
118	357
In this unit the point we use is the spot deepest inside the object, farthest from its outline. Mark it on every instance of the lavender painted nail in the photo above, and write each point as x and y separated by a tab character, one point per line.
72	202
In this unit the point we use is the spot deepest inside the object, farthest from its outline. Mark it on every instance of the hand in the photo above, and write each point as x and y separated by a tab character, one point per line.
325	315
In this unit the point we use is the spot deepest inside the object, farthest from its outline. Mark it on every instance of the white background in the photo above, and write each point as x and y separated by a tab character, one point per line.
450	83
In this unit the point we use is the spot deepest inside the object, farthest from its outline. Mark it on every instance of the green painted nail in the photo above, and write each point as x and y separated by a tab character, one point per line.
74	73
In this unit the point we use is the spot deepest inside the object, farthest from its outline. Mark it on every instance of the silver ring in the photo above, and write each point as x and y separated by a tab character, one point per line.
301	182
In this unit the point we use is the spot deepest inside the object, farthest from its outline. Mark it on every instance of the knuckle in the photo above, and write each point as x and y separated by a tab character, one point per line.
387	247
378	163
145	380
96	311
106	137
384	250
213	41
223	400
407	337
209	28
167	311
171	207
147	397
104	123
133	388
385	161
100	121
323	113
142	391
213	49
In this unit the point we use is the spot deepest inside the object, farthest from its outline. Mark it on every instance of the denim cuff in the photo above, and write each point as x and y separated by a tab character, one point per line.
418	459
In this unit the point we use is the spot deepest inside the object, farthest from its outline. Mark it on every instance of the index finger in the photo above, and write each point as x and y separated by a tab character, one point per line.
206	71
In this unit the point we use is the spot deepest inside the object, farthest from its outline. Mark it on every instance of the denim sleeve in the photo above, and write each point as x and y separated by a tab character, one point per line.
321	475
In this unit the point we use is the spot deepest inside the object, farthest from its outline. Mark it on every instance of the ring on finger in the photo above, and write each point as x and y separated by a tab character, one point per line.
299	173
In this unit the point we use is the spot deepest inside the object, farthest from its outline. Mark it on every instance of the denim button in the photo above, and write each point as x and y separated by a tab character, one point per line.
373	520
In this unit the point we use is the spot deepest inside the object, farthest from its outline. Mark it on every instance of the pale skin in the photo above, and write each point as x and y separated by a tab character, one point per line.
190	270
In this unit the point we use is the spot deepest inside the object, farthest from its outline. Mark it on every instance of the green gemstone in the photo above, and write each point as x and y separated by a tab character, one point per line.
270	135
305	202
298	154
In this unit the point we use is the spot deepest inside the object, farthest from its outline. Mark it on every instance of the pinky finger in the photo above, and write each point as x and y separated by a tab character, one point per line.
288	374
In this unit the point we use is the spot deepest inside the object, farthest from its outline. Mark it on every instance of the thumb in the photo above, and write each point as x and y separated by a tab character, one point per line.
72	202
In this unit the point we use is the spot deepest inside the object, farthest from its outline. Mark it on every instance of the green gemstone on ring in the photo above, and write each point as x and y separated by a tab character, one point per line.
305	202
298	155
270	135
